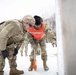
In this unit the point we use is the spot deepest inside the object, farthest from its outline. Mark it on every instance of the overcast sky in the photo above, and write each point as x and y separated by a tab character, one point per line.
16	9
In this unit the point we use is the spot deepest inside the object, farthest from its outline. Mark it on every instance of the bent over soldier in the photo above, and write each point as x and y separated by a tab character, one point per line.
12	35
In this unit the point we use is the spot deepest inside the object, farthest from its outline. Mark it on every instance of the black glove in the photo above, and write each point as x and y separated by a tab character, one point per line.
15	52
5	53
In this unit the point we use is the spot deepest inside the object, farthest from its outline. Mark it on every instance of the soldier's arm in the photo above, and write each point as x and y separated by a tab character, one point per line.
50	35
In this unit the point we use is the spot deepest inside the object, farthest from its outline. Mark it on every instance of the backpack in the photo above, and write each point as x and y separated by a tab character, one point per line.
2	22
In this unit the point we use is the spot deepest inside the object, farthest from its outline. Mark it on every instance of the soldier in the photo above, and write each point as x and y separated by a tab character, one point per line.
25	44
12	35
37	34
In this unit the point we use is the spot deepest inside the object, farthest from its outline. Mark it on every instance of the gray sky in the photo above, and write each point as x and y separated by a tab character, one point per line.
16	9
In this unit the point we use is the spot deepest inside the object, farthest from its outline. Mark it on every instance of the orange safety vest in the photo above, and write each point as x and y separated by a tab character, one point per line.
37	34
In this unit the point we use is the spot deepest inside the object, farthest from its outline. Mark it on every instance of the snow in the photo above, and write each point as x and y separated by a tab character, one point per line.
23	62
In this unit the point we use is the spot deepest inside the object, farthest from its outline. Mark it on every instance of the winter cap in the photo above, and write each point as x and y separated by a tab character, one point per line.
29	18
38	20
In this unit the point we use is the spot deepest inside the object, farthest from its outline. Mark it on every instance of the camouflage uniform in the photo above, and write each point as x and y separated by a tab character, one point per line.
42	44
24	44
11	36
38	49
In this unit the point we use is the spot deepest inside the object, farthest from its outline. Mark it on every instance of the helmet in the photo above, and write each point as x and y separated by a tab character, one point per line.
29	18
38	20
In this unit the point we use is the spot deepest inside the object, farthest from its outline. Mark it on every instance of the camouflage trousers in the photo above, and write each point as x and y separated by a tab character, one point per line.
38	49
11	58
42	46
24	45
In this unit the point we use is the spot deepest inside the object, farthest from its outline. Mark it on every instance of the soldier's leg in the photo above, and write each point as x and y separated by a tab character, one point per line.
44	54
32	56
21	52
31	60
2	64
26	49
38	50
13	64
21	49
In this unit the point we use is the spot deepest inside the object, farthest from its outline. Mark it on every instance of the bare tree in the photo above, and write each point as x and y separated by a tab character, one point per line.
51	23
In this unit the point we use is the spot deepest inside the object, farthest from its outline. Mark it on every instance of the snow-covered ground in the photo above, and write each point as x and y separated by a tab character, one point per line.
23	63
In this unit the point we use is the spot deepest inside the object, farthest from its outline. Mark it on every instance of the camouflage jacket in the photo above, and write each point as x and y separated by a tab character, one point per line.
48	34
12	34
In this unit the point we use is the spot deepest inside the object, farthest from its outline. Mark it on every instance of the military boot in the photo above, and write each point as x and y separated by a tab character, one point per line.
31	66
16	72
45	66
1	72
